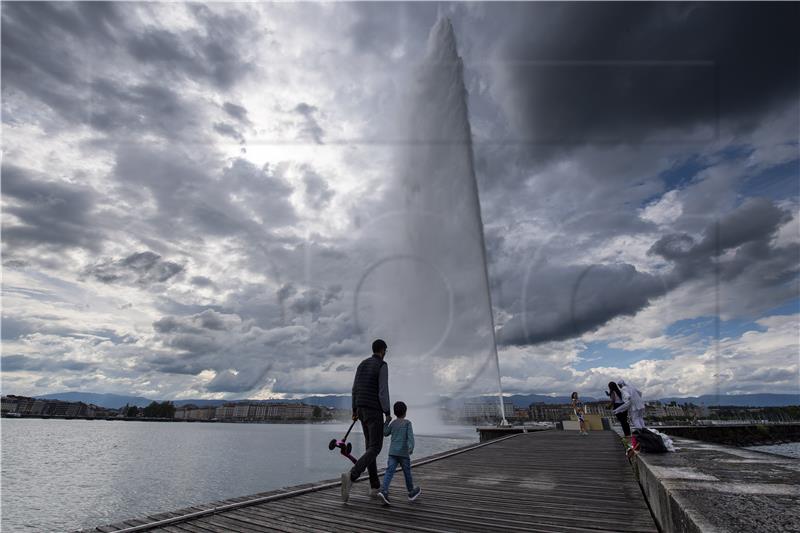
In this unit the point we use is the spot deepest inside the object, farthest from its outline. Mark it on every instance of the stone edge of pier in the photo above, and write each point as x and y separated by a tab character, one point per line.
679	486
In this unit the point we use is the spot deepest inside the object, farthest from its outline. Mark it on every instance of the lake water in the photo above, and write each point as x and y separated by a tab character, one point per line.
62	475
791	449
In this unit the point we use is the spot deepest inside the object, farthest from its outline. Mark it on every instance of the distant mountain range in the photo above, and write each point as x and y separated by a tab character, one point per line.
109	401
115	401
741	400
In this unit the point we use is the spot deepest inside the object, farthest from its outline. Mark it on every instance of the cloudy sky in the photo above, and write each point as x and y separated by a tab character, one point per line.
183	188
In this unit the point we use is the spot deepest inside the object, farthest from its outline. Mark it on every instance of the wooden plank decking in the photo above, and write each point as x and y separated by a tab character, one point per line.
547	482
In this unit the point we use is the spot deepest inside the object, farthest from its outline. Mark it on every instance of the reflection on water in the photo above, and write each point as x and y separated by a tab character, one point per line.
68	474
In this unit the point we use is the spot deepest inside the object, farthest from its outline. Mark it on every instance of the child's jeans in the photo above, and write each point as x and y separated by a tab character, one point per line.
405	464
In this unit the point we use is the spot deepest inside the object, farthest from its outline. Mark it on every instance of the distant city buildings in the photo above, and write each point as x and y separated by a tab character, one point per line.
192	412
24	405
476	411
487	409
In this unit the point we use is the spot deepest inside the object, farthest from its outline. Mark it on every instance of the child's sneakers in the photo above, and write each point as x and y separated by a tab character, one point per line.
383	496
414	494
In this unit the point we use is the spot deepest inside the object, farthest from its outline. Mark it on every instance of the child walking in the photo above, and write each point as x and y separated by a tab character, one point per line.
400	449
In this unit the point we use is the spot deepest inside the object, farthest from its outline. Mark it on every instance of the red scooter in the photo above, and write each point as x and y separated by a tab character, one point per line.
344	447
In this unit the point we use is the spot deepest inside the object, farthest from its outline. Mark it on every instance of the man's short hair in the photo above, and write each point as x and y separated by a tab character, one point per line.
378	346
400	409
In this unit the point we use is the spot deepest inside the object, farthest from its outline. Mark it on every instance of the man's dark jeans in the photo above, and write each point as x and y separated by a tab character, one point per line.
372	424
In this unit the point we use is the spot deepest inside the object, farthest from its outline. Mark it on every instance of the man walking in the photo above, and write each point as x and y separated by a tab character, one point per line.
370	405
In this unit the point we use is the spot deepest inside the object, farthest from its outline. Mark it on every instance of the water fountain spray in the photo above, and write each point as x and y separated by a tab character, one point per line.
431	289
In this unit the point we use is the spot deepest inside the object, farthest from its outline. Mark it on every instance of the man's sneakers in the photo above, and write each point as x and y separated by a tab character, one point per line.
372	493
383	496
347	483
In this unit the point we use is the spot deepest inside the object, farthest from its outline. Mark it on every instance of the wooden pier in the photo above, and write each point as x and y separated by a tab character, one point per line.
551	481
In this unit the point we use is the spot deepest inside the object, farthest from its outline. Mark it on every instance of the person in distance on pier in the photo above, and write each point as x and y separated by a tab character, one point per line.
370	405
577	407
400	450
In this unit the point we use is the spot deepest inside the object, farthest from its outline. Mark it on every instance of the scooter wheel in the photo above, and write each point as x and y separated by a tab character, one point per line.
349	448
332	444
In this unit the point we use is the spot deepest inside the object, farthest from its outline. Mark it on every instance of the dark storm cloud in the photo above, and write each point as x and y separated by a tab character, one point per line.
13	328
18	326
143	268
15	363
49	213
192	198
226	42
228	131
749	228
625	72
213	55
286	291
267	191
32	31
69	56
239	352
122	108
309	301
201	281
236	111
309	128
201	324
318	194
85	20
228	381
565	302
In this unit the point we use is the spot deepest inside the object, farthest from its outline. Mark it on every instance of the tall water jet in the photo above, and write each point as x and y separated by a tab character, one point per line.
428	295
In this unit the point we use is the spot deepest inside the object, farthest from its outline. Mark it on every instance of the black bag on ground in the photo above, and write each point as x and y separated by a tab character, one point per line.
649	442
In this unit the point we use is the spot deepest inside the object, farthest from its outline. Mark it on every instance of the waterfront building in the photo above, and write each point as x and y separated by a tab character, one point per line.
78	409
202	413
522	414
343	414
260	411
38	407
598	408
25	405
654	410
225	411
297	410
56	408
674	410
9	404
193	412
545	412
241	411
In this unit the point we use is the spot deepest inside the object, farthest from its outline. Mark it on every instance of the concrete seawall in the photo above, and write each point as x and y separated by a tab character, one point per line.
712	488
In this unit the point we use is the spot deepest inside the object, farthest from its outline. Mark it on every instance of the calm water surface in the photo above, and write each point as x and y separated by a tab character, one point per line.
68	474
791	449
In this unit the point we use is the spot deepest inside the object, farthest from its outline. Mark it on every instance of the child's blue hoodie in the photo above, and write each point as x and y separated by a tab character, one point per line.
402	437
